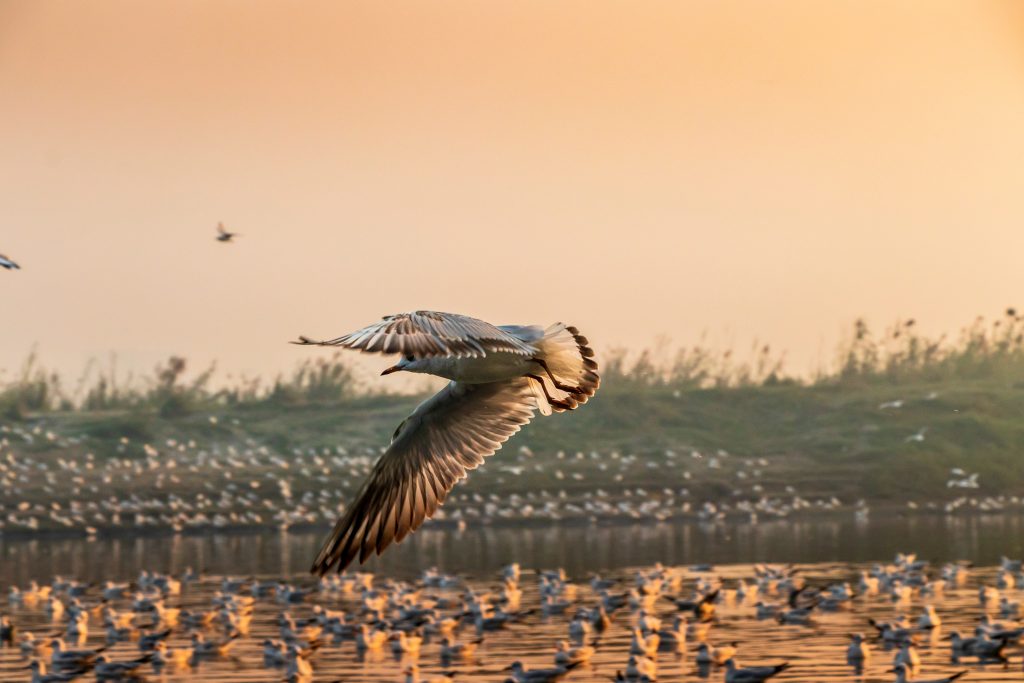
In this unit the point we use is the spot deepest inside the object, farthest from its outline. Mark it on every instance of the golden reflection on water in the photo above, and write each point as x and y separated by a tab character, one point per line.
816	651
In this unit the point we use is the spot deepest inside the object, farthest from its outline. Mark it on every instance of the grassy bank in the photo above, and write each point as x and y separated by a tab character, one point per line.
890	422
820	439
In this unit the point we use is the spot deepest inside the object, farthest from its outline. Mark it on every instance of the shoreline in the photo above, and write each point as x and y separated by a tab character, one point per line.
849	514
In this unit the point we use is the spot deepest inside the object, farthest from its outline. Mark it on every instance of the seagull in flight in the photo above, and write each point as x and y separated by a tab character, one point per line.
223	235
8	263
499	377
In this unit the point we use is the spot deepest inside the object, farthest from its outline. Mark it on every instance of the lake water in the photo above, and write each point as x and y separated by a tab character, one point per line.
826	550
579	549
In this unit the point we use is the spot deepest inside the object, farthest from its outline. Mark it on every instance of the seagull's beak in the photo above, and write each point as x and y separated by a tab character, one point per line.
388	371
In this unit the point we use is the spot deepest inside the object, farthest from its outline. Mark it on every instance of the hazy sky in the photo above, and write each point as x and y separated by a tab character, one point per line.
743	168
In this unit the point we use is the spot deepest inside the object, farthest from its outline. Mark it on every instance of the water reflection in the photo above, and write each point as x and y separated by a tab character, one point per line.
827	550
478	551
816	650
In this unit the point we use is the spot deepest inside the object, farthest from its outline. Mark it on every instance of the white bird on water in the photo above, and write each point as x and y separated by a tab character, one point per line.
904	675
751	674
499	377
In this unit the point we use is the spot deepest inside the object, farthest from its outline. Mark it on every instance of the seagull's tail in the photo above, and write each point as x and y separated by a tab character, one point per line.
570	362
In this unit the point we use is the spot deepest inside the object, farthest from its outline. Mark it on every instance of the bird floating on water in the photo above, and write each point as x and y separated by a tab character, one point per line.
499	377
751	674
903	675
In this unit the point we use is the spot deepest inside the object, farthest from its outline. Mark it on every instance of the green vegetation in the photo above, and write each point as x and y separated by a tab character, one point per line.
848	432
167	393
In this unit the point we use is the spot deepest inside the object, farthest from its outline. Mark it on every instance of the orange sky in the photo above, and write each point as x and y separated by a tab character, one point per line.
746	169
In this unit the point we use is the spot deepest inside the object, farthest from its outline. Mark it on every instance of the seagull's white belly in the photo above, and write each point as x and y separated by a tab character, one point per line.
491	368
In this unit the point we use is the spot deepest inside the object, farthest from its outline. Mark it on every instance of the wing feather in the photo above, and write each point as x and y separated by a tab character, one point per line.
429	333
447	435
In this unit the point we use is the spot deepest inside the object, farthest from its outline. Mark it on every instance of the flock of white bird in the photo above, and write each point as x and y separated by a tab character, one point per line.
51	481
619	628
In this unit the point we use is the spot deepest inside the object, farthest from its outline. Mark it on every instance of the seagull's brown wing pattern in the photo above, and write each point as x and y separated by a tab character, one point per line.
447	435
425	334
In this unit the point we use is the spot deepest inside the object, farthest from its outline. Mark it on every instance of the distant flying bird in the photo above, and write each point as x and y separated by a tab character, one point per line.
223	235
8	263
499	377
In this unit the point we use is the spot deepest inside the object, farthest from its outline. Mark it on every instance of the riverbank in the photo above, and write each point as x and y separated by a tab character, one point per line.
658	454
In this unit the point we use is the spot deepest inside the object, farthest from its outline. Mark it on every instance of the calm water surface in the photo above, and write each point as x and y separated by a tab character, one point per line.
480	551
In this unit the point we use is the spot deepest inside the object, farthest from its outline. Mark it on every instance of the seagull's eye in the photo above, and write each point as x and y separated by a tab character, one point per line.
409	359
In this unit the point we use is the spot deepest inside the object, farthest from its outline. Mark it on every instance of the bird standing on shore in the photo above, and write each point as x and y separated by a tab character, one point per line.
499	377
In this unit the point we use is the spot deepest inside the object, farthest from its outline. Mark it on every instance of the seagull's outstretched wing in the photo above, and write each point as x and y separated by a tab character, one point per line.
425	334
448	434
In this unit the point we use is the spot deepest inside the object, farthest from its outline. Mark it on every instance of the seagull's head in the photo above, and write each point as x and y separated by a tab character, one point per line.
407	363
